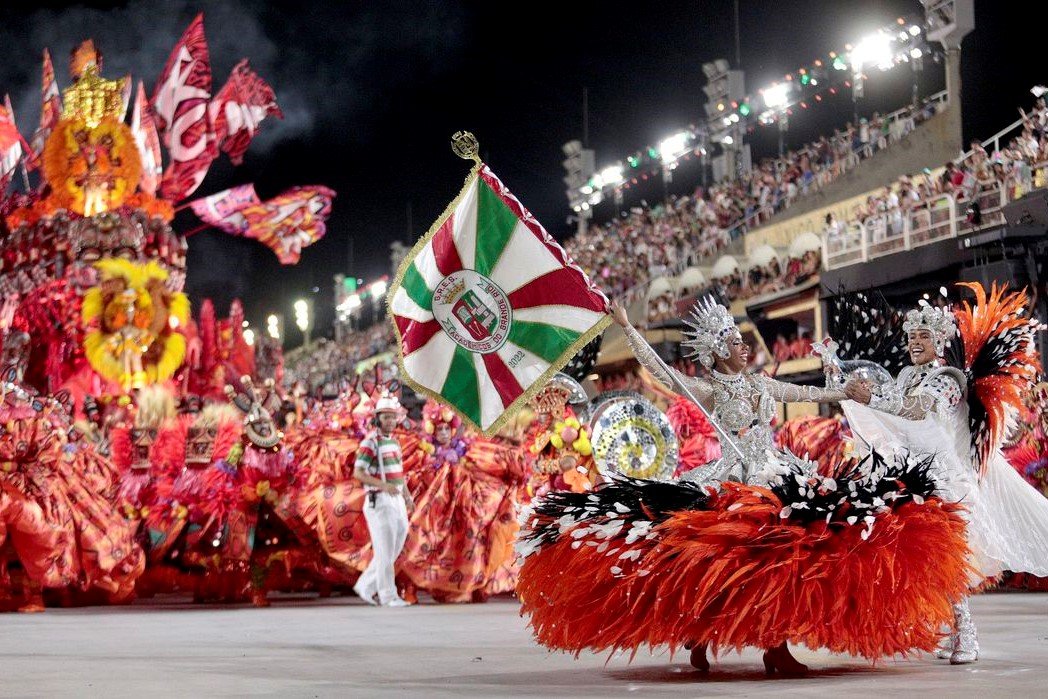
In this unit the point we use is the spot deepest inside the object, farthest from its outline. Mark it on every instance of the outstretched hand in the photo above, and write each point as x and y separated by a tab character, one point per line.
618	314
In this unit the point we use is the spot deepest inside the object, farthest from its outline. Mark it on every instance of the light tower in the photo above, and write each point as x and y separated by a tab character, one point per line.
948	22
725	87
580	165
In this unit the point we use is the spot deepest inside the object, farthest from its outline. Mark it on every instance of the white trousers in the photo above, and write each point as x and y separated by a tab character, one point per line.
387	520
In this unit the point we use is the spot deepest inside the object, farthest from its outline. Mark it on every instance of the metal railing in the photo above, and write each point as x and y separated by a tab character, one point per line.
938	218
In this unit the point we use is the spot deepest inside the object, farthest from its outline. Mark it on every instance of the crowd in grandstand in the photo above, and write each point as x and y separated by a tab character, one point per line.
651	241
1011	168
320	366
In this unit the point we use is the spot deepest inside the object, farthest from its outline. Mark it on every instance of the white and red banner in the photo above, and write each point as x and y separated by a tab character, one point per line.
222	210
238	109
10	143
50	111
180	105
487	306
143	128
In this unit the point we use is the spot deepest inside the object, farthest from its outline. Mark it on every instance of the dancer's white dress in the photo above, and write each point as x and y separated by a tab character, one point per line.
924	411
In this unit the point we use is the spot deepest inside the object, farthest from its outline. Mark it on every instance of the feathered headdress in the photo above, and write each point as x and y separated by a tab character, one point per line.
939	322
710	327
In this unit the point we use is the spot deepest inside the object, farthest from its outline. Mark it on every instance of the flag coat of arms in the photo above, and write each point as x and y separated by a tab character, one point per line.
487	306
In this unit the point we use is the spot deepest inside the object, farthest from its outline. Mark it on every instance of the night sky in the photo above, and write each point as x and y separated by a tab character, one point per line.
373	91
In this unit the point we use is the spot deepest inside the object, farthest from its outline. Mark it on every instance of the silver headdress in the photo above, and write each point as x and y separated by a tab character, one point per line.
939	321
710	328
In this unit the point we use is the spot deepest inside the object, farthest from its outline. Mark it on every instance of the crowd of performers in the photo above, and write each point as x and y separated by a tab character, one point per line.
871	547
230	496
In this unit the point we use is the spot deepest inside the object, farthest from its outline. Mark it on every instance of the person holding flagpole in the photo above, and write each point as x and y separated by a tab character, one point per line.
379	466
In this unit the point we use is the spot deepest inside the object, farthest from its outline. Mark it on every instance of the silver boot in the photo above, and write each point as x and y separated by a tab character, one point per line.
947	644
966	649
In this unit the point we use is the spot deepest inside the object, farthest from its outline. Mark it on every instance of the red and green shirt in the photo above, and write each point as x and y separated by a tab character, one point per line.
392	463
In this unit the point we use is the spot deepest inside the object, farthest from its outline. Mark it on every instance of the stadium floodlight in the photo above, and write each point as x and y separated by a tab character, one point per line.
612	175
673	147
873	50
776	96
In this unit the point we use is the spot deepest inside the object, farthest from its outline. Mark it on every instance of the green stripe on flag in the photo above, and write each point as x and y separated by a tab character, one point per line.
546	341
416	287
495	224
461	387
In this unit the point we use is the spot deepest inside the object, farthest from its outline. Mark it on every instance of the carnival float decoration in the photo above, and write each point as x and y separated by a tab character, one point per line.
118	442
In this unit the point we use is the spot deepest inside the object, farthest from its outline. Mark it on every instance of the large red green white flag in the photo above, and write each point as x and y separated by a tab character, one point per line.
487	306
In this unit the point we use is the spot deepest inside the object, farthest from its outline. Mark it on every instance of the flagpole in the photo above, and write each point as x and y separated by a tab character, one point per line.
198	229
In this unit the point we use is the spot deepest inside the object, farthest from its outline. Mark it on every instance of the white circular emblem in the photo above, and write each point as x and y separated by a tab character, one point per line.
473	311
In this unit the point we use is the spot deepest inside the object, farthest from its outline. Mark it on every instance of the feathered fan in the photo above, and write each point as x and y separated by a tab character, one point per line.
999	360
867	327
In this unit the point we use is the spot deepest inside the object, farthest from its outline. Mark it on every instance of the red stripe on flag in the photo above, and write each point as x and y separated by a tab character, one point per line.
414	334
444	249
561	287
505	382
536	228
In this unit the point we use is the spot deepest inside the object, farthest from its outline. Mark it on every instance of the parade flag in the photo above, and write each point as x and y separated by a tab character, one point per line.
285	224
223	210
143	128
10	143
50	111
487	306
239	108
180	103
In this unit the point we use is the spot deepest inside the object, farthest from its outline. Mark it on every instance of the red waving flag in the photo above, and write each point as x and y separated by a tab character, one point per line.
10	143
239	108
143	128
180	105
222	210
290	221
50	111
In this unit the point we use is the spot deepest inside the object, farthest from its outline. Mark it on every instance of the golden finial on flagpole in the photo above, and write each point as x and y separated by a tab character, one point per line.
465	145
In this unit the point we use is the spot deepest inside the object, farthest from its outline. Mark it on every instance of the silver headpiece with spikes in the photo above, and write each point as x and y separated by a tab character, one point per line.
710	328
939	321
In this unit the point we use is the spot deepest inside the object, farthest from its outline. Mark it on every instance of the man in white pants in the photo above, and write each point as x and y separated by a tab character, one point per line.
379	466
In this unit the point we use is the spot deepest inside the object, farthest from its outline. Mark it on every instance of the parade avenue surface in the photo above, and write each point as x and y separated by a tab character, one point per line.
339	647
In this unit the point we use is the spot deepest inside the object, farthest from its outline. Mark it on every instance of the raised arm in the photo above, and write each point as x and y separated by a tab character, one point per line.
792	393
666	375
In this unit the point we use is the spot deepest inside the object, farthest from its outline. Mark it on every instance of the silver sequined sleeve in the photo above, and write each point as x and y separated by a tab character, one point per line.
650	361
940	394
792	393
